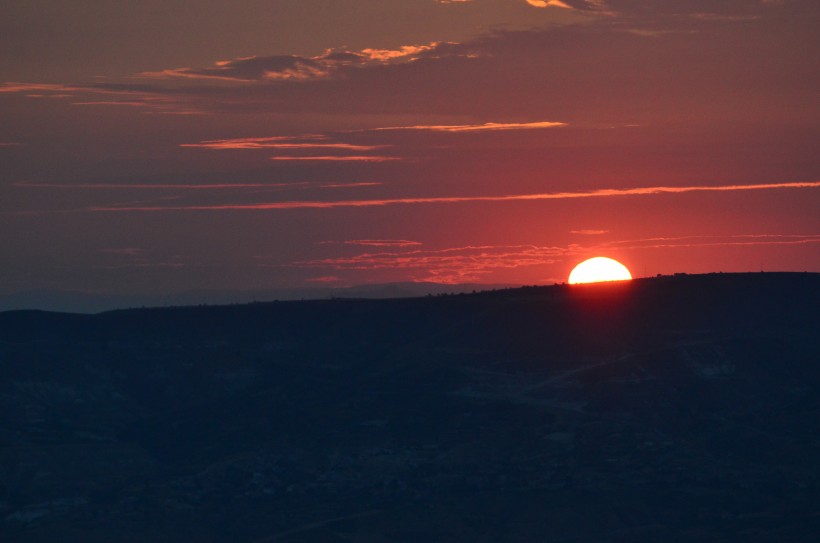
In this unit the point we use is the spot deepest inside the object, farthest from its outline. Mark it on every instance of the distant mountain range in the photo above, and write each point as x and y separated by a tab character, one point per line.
674	409
84	302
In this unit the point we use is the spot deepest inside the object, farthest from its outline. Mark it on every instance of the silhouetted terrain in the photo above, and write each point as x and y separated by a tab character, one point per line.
674	409
83	302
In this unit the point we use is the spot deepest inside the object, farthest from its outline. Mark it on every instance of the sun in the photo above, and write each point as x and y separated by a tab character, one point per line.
599	269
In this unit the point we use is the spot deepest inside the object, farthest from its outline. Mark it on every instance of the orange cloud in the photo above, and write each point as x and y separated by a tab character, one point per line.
39	87
600	193
548	3
337	158
479	127
169	97
279	142
404	51
249	70
294	67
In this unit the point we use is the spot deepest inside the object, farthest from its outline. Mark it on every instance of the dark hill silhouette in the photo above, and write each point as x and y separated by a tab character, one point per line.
84	302
670	409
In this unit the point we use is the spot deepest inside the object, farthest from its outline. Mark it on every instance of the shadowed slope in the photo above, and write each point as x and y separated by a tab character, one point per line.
676	409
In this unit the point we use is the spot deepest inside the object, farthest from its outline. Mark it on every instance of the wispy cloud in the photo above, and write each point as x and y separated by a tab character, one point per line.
157	99
405	52
535	3
600	193
250	69
140	96
723	17
548	3
351	185
236	84
17	87
374	242
281	142
732	243
473	263
149	187
436	79
165	186
131	103
589	232
309	142
479	127
329	142
294	67
9	144
324	279
451	265
716	241
337	158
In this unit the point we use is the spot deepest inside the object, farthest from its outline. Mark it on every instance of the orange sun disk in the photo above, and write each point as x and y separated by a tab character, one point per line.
598	270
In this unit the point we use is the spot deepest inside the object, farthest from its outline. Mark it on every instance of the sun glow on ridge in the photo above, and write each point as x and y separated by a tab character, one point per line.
599	269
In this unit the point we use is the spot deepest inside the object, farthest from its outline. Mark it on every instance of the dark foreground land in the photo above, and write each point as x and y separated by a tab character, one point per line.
675	409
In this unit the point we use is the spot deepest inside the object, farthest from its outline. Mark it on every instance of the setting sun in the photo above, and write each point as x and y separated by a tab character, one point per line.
599	269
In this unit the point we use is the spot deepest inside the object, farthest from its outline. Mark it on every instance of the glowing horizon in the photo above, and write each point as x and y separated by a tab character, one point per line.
599	269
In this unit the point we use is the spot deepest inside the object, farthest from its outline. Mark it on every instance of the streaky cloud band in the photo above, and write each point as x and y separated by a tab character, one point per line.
485	127
148	186
336	158
599	193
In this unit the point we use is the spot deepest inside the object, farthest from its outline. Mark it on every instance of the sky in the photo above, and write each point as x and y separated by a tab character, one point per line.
155	147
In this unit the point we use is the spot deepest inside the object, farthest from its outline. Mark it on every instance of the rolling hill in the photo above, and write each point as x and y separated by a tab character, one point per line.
671	409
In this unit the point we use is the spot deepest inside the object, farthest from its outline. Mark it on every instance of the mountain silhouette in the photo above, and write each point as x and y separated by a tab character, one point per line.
679	408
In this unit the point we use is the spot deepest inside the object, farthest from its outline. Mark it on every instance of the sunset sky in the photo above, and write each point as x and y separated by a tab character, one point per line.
158	146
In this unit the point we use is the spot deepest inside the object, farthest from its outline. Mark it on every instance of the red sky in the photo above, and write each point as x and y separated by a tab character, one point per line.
165	146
